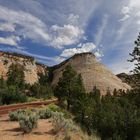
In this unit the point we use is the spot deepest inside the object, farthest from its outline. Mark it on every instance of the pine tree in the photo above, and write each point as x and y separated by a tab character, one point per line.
69	86
136	59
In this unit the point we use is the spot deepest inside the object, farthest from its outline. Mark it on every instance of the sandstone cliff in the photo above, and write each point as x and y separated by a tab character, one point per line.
93	73
31	67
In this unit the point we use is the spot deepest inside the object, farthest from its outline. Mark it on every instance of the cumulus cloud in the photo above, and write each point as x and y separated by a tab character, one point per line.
66	35
12	40
98	54
87	47
35	29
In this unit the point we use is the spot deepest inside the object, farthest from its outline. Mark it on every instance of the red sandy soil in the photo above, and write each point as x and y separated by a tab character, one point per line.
10	130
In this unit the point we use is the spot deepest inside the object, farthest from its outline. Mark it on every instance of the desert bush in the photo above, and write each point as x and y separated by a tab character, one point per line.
28	123
14	115
60	123
44	113
55	108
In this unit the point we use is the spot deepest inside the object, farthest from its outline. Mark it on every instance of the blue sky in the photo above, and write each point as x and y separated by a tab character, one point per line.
52	30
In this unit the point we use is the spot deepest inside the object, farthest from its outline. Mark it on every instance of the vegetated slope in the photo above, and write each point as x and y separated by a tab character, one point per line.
93	73
129	79
31	68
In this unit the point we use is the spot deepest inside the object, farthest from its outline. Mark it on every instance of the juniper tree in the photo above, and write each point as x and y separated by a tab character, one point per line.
16	76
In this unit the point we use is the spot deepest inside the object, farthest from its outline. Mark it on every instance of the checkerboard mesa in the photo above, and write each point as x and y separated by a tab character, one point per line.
93	73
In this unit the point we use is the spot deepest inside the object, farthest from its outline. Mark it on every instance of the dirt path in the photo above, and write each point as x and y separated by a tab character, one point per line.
7	108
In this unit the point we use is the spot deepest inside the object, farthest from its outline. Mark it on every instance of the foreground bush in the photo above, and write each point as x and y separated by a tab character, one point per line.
44	113
60	123
15	115
28	123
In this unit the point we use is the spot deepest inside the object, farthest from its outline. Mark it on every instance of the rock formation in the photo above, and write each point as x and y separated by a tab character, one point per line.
31	67
93	73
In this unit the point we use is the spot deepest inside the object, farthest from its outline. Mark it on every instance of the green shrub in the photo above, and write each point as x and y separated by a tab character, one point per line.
60	123
8	96
15	115
55	108
44	113
28	123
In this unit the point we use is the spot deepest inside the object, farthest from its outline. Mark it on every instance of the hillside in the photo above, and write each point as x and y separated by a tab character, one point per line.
32	68
129	79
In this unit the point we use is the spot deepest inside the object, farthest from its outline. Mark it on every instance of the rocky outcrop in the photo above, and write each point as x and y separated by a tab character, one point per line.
31	68
93	73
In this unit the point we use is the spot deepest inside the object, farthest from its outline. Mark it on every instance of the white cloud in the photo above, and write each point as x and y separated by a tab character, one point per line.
87	47
134	3
35	29
125	17
31	26
100	31
98	54
125	10
121	66
138	14
11	40
7	27
66	35
138	22
73	19
130	10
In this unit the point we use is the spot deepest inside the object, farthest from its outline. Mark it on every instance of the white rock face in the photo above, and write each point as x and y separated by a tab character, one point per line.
93	73
31	68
